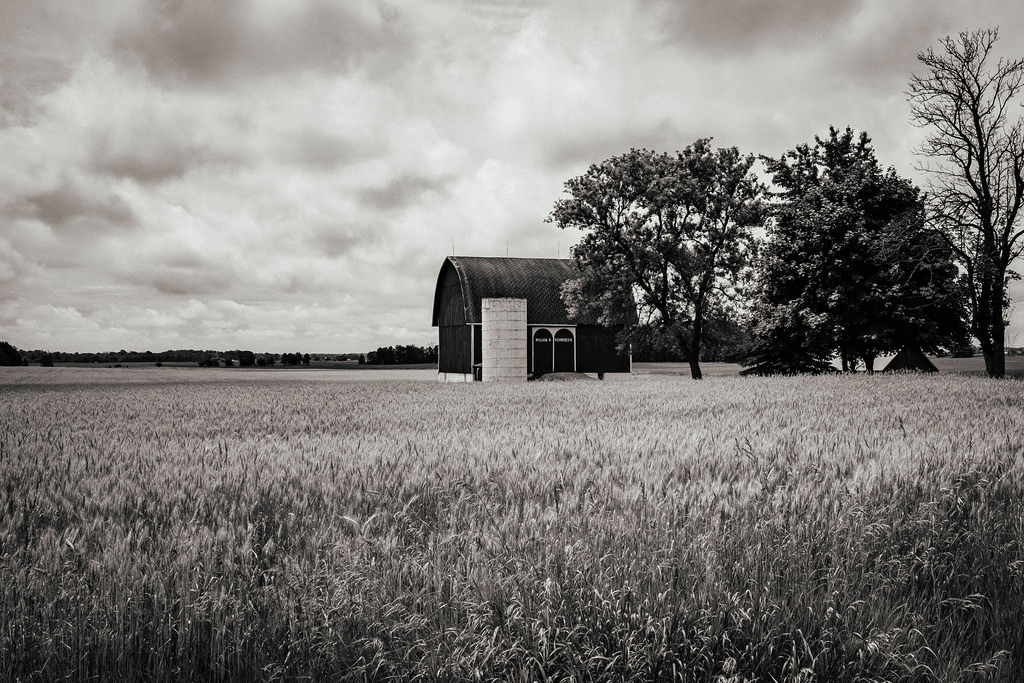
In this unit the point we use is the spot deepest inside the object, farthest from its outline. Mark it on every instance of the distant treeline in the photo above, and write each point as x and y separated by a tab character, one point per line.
401	355
391	355
646	350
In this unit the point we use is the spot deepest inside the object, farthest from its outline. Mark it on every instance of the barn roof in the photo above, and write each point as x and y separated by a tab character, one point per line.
538	280
910	358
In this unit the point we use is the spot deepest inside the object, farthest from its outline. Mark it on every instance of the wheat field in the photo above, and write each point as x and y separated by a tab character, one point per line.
651	528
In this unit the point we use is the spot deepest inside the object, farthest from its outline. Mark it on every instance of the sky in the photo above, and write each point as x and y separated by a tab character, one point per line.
288	176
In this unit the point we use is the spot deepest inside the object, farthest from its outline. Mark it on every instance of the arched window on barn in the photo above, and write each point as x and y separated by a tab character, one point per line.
543	351
565	351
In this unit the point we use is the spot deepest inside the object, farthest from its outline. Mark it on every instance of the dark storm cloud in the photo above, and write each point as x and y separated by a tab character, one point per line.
738	26
69	206
883	54
401	191
849	39
33	54
151	163
335	241
150	151
23	80
210	40
185	281
179	270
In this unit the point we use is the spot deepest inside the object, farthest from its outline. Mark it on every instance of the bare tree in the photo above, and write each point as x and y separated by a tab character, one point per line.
977	178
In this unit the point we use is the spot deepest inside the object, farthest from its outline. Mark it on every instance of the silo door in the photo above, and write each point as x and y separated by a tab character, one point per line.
565	351
543	353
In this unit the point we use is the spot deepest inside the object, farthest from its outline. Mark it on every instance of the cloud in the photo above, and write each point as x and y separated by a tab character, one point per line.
70	206
729	28
590	146
23	80
178	270
216	41
401	191
316	148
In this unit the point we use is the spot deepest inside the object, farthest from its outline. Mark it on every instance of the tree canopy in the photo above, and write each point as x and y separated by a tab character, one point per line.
849	267
666	236
9	355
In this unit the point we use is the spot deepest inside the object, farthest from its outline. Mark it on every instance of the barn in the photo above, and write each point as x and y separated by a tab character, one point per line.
502	319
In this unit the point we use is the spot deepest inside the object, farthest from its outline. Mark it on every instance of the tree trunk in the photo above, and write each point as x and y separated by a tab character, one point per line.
987	352
693	348
997	368
695	372
691	351
995	359
692	354
869	363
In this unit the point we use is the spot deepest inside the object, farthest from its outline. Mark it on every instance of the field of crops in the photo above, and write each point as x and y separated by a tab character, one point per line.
648	528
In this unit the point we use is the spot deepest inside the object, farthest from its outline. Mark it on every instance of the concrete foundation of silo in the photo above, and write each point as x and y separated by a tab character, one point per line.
503	335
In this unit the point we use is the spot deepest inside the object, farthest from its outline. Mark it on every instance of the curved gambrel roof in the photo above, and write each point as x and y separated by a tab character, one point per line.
538	280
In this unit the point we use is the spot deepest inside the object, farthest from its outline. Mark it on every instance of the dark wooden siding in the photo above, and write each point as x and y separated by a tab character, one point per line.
478	344
453	349
529	349
543	350
452	308
595	350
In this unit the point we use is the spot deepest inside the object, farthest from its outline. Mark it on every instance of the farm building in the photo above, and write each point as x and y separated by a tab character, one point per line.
502	319
910	359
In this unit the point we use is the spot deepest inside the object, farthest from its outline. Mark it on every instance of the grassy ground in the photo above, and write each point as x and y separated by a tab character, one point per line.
961	366
966	366
976	366
167	524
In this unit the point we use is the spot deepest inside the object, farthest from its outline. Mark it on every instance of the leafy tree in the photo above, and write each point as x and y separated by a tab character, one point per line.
977	180
9	355
728	339
848	268
667	237
921	293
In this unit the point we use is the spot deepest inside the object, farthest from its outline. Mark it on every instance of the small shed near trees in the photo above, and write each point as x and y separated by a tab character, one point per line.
503	319
910	359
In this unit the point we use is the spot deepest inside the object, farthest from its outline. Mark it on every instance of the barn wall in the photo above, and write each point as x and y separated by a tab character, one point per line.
453	346
478	346
504	340
595	350
452	309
